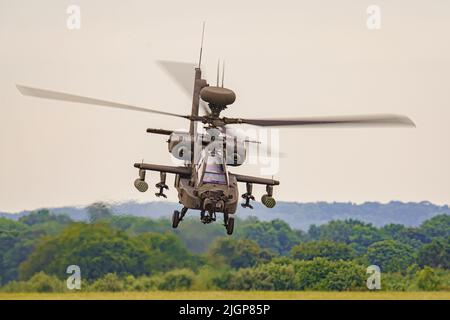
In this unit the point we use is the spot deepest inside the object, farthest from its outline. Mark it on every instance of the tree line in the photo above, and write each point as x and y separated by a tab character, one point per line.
120	252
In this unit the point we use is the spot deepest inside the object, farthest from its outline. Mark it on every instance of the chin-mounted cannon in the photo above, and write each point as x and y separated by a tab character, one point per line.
248	196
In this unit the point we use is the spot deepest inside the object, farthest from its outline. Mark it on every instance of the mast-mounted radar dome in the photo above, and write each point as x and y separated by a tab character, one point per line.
218	96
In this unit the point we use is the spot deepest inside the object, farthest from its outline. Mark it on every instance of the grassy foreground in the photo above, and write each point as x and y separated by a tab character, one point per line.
229	295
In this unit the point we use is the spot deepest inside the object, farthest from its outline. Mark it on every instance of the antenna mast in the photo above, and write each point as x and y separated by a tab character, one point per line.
201	46
223	71
218	72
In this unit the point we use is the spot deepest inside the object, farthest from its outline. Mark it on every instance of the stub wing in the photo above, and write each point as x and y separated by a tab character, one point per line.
257	180
185	171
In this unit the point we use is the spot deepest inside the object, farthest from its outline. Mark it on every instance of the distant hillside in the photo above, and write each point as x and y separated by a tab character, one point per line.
298	215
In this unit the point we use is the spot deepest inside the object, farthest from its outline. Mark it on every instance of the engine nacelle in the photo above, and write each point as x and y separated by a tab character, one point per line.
181	146
182	151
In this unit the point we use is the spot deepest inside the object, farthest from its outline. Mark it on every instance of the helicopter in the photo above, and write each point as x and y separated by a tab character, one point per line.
204	182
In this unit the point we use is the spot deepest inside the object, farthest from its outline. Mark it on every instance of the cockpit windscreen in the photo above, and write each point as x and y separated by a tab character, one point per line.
214	171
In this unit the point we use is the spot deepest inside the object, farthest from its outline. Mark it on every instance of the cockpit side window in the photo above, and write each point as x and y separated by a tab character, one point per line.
200	169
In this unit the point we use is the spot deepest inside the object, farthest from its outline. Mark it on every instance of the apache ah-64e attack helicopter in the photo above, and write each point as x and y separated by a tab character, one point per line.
204	182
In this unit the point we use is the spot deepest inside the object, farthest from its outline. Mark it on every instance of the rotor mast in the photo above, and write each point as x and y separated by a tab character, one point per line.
199	83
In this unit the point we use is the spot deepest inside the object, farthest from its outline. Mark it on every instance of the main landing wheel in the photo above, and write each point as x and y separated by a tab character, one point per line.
175	219
230	226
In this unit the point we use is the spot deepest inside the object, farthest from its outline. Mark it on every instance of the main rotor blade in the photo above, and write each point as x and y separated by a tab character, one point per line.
263	148
54	95
181	72
362	120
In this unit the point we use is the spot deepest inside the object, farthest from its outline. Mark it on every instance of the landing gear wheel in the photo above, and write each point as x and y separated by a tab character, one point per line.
230	226
175	219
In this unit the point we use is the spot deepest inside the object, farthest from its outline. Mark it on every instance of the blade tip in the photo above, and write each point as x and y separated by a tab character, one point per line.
26	91
20	88
408	122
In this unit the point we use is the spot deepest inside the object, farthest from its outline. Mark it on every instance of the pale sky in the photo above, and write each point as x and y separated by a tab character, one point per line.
283	58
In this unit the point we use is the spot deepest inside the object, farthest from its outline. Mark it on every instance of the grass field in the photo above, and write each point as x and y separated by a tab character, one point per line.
230	295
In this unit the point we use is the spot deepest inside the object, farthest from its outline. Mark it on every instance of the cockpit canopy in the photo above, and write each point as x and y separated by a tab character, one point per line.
212	169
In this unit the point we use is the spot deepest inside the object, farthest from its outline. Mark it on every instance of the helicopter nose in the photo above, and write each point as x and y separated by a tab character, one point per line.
212	205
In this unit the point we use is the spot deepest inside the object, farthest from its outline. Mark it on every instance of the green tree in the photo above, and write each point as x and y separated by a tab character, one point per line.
323	274
438	226
137	225
168	252
195	236
275	235
435	254
427	279
237	253
271	276
177	280
44	216
99	211
344	276
390	255
286	274
360	235
97	249
324	249
17	241
108	283
411	236
40	282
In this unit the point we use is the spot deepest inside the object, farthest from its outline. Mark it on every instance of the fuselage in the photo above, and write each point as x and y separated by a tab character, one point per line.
208	197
